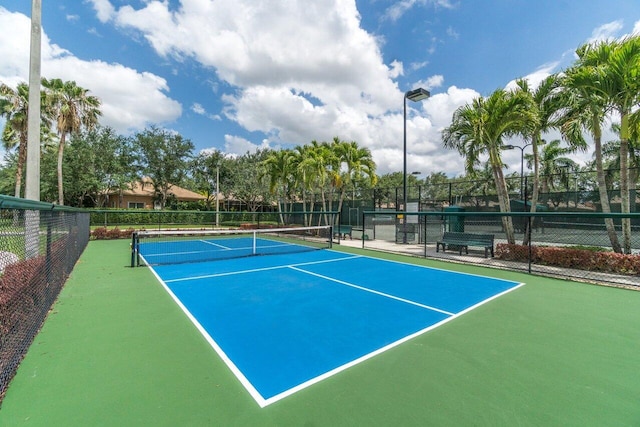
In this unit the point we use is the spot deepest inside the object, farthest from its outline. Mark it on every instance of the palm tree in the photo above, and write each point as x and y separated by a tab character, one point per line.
611	151
610	70
14	106
73	109
319	163
303	178
554	165
544	103
358	162
478	129
278	167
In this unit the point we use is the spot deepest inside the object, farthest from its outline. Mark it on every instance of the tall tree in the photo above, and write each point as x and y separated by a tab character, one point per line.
356	162
279	169
610	70
555	165
206	168
73	109
118	161
245	184
14	106
544	102
164	157
478	129
321	164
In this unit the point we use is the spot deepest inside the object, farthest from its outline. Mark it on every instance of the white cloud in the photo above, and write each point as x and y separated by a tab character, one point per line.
236	146
316	47
117	86
636	28
399	8
397	69
536	77
104	9
606	31
415	66
200	110
431	82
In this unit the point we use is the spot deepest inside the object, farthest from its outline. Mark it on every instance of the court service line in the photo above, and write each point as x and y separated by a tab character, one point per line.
362	288
214	244
256	270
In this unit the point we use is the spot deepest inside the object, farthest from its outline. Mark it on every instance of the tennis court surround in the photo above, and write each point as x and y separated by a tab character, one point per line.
283	322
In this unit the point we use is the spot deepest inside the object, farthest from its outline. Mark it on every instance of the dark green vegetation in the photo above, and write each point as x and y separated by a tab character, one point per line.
116	350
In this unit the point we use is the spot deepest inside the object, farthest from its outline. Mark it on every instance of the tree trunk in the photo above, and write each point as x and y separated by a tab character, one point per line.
536	183
602	189
503	200
624	181
60	157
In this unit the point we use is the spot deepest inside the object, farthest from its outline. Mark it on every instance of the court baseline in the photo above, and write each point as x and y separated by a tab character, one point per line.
284	326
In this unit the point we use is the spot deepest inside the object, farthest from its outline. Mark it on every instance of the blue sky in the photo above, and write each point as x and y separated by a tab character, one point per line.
237	75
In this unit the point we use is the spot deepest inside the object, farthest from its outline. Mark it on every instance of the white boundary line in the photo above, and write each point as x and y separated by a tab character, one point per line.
373	291
260	400
255	270
214	244
243	380
379	351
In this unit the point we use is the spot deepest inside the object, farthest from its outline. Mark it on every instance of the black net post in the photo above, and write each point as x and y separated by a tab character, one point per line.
134	249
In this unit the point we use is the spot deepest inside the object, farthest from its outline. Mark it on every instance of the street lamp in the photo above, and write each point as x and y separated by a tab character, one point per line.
511	147
414	95
217	195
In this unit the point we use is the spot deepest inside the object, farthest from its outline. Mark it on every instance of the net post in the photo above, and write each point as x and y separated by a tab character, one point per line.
254	249
331	236
134	251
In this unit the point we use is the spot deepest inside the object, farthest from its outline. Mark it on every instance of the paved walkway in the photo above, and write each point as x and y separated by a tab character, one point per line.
477	258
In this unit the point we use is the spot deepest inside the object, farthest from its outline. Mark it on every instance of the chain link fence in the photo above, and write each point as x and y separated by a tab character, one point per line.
167	219
39	246
570	244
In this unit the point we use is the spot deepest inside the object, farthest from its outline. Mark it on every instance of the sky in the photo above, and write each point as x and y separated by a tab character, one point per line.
241	75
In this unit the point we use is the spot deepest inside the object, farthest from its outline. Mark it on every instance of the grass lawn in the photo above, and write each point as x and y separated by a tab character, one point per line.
117	351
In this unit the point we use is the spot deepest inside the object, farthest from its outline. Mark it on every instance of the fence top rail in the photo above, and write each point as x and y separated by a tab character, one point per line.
512	214
10	202
166	211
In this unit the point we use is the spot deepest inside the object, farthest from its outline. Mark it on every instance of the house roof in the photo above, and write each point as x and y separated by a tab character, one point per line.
144	188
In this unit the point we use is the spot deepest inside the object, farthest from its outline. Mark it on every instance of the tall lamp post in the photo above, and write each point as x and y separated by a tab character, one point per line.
414	95
217	195
511	147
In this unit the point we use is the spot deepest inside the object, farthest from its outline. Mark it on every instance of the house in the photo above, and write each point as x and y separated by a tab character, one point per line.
141	195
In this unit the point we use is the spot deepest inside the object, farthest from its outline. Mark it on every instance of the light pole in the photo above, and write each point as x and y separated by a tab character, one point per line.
414	95
511	147
217	195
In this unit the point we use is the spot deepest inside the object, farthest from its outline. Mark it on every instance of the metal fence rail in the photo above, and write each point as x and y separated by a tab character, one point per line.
39	245
161	219
568	231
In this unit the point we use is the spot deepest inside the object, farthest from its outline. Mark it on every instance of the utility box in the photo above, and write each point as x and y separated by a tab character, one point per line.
454	222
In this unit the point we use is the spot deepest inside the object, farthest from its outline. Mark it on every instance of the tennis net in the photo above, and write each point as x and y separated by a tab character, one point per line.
158	247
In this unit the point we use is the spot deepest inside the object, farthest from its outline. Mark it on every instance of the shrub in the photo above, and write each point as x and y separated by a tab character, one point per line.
102	233
581	258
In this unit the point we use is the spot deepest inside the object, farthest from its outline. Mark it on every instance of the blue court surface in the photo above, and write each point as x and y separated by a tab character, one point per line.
284	322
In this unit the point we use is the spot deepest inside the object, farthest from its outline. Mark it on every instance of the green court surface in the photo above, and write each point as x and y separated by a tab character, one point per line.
117	351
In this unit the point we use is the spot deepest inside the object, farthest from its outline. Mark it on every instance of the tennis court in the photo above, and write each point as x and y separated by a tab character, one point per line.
116	349
288	320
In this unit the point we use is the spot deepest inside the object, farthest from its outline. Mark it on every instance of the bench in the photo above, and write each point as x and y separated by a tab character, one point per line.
343	231
464	240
